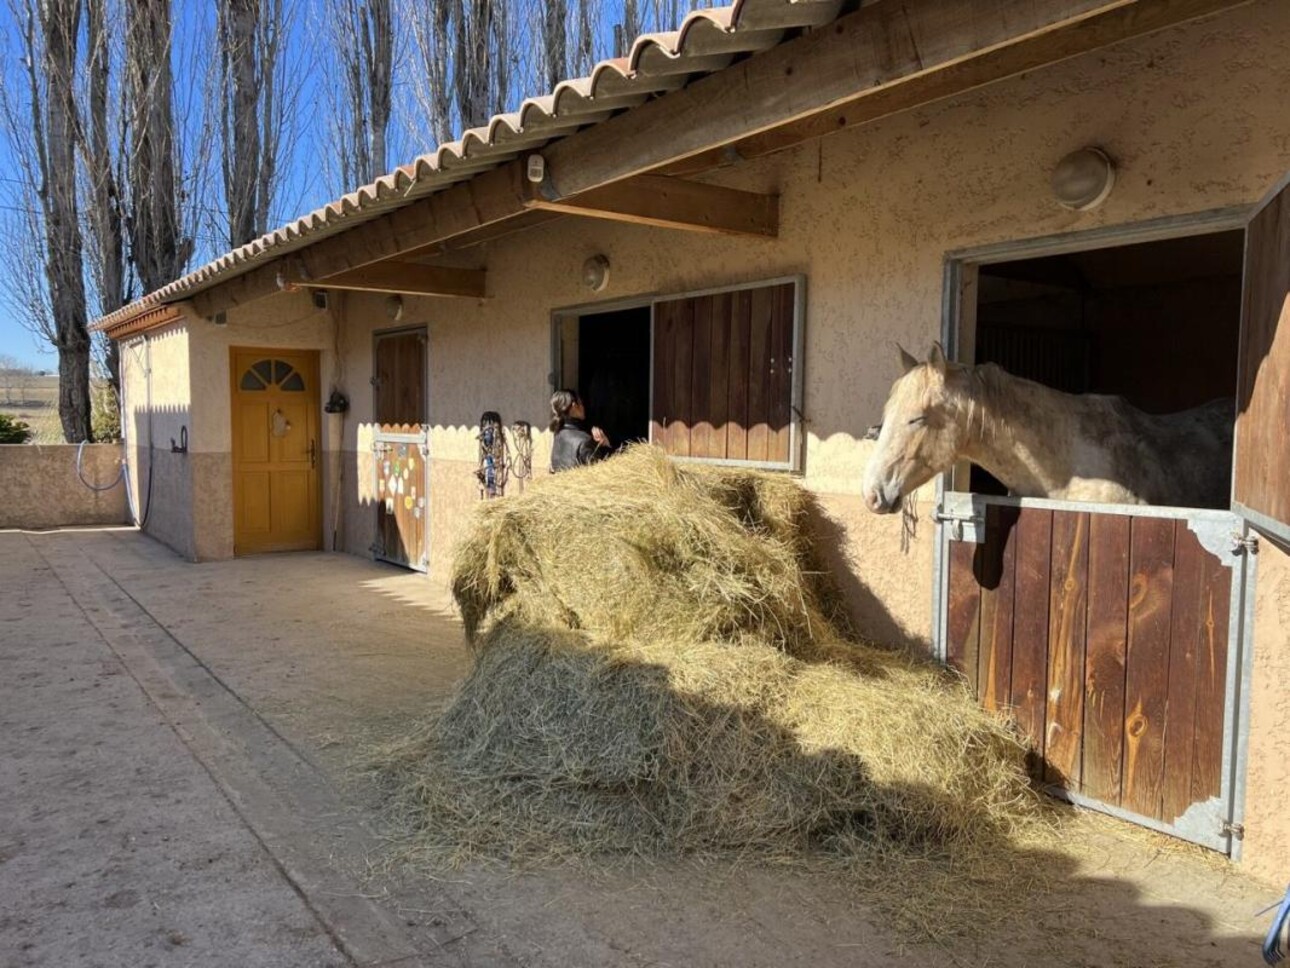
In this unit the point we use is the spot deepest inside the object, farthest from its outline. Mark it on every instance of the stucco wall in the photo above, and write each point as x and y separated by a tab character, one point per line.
40	487
1267	816
157	409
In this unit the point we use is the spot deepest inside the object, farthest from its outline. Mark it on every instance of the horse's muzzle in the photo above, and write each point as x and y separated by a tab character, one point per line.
877	502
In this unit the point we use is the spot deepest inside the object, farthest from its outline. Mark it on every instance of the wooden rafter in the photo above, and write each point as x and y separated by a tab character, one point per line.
487	199
396	276
672	203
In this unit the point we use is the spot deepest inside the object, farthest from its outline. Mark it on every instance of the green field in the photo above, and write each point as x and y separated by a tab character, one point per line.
33	400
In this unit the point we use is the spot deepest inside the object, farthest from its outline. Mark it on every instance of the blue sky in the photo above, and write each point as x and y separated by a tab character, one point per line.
309	179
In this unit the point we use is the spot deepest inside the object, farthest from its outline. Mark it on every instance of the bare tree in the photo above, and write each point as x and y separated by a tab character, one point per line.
555	43
159	246
251	120
432	23
362	68
106	238
626	31
584	48
16	378
47	151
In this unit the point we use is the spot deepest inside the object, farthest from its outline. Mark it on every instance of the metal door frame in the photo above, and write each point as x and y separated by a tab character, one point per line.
960	516
380	440
423	439
950	505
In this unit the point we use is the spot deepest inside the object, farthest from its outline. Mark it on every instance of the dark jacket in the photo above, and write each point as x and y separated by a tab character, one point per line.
573	445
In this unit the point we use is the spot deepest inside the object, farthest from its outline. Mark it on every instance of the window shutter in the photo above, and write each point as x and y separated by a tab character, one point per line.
723	375
1261	475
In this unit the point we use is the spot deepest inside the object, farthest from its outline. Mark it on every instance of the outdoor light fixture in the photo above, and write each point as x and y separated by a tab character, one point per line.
1083	179
536	169
394	307
595	273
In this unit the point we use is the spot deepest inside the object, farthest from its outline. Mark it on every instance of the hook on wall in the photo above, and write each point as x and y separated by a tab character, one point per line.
182	446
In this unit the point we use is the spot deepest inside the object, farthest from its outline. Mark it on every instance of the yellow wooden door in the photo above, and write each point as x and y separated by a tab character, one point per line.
276	501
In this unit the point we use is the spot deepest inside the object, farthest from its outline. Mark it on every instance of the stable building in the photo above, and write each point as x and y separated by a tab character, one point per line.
717	240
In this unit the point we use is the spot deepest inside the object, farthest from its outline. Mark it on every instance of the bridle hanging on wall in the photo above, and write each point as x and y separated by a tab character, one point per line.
493	468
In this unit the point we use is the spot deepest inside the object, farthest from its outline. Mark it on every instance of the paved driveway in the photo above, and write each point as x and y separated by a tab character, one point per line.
175	789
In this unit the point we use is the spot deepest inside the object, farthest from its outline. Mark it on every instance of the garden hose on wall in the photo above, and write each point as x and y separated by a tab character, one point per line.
98	488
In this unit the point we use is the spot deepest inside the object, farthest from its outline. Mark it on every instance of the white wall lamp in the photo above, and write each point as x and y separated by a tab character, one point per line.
1083	179
595	273
394	307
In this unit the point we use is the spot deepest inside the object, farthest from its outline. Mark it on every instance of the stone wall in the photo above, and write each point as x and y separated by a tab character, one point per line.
40	488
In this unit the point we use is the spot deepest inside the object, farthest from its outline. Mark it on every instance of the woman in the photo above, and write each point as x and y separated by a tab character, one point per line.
574	444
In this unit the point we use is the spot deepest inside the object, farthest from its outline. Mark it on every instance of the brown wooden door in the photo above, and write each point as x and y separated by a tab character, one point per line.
275	451
1261	477
1105	636
723	375
399	379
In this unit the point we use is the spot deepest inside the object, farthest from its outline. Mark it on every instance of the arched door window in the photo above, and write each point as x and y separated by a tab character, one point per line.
272	374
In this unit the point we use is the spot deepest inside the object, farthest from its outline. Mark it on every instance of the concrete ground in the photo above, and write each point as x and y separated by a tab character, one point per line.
176	788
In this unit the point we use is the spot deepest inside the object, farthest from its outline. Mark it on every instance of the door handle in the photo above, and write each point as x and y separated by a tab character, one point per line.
313	454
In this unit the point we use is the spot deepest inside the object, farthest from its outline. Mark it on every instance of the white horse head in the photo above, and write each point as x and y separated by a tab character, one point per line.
921	433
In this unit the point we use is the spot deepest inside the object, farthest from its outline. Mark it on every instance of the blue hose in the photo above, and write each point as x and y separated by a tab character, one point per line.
1273	948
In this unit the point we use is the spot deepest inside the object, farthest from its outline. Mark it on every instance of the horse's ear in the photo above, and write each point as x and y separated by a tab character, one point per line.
907	361
937	357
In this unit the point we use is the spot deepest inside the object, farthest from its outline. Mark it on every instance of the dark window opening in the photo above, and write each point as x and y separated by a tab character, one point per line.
1156	323
606	358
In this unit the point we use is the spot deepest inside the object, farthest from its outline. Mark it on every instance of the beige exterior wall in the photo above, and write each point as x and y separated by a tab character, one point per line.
1195	118
1267	814
40	486
157	409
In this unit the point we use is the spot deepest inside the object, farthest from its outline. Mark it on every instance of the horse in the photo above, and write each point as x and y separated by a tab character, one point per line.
1040	442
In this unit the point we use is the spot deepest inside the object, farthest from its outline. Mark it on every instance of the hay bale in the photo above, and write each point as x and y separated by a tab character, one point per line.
657	672
640	546
559	743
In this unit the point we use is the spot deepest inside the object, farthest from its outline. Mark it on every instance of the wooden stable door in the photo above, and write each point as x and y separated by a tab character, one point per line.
724	375
1107	635
1261	479
276	501
402	448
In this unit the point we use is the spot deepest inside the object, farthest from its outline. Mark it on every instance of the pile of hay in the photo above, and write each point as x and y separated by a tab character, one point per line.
660	668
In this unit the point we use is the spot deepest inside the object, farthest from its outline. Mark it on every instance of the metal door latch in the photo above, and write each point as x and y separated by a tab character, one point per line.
963	527
1243	544
1235	830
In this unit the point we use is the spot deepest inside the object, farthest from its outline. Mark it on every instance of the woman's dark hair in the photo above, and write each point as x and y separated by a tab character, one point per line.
562	401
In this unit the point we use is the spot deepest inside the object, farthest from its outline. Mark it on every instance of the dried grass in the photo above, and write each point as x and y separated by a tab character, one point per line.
661	670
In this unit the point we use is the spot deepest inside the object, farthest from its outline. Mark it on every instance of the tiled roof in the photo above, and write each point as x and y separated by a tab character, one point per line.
707	41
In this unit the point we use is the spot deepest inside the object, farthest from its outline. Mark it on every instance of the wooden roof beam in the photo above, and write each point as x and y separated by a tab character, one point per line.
879	60
395	276
672	203
487	199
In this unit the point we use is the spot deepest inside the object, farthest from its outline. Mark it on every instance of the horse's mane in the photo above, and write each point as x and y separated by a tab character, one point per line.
989	388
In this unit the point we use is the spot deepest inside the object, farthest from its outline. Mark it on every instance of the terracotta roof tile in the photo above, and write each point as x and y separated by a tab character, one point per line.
707	41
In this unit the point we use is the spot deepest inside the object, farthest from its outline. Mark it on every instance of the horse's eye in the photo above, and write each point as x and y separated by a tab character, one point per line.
920	419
